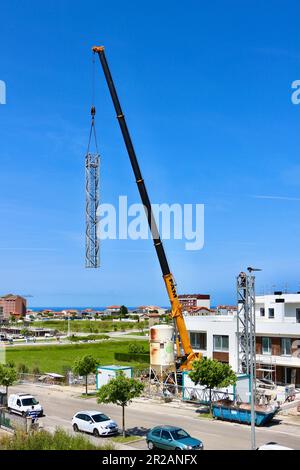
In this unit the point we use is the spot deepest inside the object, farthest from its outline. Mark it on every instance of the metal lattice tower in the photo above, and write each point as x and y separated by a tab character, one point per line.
92	174
246	342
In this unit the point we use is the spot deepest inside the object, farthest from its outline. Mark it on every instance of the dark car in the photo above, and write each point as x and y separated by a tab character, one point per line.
172	438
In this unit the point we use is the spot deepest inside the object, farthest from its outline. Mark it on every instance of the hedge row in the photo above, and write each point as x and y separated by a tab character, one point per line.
126	357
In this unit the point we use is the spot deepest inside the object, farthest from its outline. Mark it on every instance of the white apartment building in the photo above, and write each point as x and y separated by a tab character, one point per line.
277	337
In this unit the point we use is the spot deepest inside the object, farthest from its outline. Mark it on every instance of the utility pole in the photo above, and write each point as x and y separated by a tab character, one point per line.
246	339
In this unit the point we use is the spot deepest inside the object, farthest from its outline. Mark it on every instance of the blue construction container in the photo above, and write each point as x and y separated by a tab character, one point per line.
242	414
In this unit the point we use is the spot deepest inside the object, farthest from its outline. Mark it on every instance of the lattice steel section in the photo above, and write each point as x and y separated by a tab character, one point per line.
92	174
246	323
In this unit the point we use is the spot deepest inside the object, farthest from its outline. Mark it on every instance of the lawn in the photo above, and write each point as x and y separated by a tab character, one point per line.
85	326
57	358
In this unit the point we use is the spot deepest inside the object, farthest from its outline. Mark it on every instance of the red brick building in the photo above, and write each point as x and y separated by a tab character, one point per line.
11	304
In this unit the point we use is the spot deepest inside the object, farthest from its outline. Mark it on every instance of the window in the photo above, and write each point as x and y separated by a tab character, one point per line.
271	312
298	315
29	401
98	418
156	432
221	343
198	340
262	311
166	435
286	346
179	434
266	345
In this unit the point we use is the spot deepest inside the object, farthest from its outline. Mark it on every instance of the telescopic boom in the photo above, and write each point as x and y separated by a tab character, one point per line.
189	354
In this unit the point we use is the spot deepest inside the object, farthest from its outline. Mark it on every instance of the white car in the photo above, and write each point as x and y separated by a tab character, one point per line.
273	446
94	422
22	403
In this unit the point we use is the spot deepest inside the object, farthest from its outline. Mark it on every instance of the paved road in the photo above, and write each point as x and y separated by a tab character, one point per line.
142	415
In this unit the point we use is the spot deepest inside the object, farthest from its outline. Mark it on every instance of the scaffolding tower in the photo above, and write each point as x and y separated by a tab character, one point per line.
92	174
246	342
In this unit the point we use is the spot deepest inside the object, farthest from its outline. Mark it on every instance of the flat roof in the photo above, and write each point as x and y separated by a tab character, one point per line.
114	367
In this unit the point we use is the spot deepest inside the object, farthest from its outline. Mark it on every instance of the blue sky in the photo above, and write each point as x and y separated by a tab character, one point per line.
206	89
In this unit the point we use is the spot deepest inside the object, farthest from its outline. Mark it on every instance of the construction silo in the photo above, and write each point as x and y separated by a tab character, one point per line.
162	358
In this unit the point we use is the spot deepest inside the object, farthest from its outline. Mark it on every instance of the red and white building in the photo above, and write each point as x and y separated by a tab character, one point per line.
12	305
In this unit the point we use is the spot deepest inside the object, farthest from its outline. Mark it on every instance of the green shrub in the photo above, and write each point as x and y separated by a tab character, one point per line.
135	348
22	368
74	338
36	370
137	357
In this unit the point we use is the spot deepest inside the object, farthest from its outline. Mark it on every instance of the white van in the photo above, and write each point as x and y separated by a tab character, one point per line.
21	403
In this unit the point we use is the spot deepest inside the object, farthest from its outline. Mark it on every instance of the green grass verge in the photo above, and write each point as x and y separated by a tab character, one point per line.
44	440
205	415
54	358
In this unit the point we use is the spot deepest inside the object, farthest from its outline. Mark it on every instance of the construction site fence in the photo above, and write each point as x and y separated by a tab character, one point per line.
170	392
67	379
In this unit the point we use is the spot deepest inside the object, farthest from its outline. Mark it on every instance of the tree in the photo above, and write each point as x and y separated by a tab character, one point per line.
8	376
123	311
85	366
212	374
120	391
25	332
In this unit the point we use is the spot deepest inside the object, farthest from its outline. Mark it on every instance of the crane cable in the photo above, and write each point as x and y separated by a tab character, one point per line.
93	113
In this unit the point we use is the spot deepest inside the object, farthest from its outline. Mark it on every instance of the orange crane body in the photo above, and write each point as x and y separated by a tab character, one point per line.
182	340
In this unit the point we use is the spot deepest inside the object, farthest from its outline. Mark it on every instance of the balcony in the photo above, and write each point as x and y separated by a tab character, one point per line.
286	361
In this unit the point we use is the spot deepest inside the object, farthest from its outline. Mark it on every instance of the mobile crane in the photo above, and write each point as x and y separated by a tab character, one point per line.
182	336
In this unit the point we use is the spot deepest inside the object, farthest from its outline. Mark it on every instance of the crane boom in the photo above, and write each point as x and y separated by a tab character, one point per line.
176	307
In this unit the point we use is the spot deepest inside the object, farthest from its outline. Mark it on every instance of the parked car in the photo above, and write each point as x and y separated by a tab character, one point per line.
273	446
94	422
172	438
22	403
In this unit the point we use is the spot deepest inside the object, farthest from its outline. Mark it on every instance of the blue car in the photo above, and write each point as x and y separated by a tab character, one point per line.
172	438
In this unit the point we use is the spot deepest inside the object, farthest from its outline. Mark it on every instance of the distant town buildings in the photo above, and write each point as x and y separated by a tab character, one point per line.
12	305
112	309
148	309
194	300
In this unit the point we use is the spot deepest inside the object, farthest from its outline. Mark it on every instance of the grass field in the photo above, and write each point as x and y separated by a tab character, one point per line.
58	358
86	326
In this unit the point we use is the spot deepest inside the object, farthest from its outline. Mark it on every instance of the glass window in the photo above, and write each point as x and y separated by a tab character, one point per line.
286	346
271	312
98	418
179	434
221	343
156	432
198	340
165	435
29	401
266	345
262	311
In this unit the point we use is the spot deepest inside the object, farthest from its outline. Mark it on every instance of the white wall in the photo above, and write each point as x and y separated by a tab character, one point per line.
215	325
